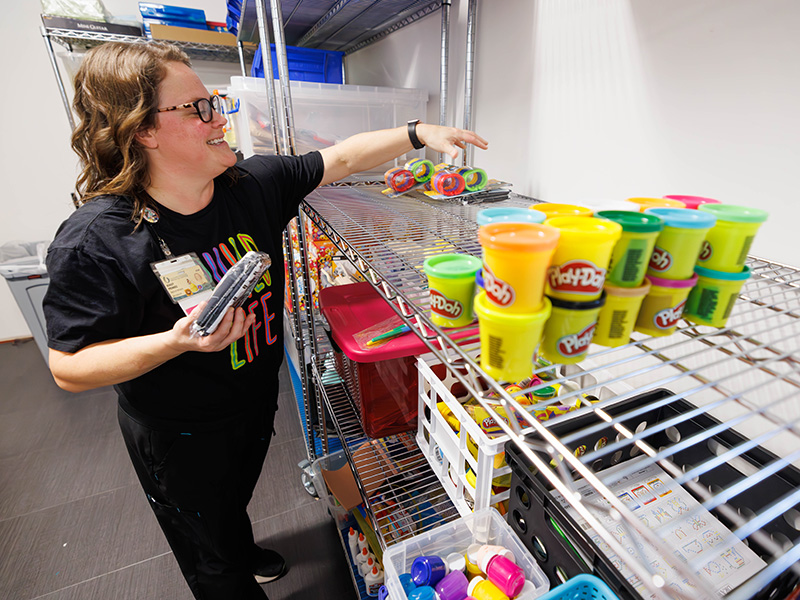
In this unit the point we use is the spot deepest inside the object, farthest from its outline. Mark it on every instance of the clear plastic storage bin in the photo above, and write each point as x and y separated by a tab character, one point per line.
482	527
324	113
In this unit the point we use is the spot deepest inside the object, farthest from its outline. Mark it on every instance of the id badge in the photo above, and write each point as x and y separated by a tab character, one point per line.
185	280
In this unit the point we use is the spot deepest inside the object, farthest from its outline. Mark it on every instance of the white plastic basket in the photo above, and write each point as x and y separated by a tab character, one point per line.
483	527
448	452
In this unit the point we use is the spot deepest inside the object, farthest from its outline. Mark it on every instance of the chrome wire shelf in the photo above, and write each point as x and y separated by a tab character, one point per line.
343	25
71	39
746	376
392	475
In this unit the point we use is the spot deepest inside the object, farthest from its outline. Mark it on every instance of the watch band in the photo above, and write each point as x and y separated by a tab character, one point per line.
412	134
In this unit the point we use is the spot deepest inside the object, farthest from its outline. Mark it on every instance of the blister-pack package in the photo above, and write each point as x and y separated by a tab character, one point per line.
231	291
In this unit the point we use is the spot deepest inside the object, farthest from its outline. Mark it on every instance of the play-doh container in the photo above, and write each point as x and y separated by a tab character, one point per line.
553	210
578	268
569	330
508	340
598	204
632	253
679	243
618	315
645	203
710	302
663	306
509	214
515	260
727	244
451	282
692	202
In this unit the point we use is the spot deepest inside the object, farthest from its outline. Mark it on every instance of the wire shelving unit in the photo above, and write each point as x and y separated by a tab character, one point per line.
745	378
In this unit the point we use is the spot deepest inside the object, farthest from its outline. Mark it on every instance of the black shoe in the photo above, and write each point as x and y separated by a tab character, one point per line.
269	566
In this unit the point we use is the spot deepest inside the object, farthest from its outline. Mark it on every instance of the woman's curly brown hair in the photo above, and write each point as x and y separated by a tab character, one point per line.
116	92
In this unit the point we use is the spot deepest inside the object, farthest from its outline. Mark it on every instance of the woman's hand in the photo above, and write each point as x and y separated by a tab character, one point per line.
448	140
233	326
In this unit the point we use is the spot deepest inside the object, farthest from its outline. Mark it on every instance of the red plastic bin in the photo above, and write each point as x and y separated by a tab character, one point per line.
383	379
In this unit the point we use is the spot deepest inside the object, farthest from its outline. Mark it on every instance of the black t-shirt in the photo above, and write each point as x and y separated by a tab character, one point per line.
102	287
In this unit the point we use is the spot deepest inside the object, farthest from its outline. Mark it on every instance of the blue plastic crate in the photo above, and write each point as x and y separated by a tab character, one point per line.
305	64
165	11
581	587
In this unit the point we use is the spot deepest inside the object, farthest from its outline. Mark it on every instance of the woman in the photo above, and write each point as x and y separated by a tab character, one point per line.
163	197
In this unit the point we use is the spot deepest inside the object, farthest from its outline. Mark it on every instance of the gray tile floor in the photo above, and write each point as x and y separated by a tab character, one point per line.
74	523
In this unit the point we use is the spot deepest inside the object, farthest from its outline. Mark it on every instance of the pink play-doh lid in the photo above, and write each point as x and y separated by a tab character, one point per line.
693	201
673	283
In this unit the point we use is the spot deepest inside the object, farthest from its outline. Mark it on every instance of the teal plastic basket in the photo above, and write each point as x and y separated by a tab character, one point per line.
581	587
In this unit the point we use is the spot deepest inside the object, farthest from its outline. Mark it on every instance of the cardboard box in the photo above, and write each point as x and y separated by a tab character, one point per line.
197	36
90	26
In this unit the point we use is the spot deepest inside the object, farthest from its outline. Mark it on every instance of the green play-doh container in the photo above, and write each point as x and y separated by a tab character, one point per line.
711	300
631	255
727	244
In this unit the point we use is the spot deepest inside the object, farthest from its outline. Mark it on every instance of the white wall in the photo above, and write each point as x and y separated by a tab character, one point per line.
620	98
578	98
37	166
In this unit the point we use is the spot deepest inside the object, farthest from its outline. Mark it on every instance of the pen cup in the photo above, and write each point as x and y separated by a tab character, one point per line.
451	281
727	244
678	245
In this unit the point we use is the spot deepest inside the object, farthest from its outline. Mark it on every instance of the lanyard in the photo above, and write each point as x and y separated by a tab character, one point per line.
160	241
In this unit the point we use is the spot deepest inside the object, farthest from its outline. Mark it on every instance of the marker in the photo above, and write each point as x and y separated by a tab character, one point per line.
389	334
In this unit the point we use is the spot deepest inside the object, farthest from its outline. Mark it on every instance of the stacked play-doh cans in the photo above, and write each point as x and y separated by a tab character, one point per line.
512	308
721	268
575	281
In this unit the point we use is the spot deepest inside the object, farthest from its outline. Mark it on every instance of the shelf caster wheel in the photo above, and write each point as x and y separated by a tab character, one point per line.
305	477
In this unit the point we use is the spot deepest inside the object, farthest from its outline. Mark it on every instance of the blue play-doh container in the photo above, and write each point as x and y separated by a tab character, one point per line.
509	214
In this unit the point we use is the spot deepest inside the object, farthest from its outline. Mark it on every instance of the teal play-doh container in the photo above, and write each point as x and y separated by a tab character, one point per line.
679	243
711	300
727	244
509	214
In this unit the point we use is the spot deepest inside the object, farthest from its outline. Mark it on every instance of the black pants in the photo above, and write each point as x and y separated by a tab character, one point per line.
198	485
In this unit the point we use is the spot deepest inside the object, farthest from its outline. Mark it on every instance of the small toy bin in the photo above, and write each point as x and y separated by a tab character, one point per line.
329	462
482	527
581	587
382	379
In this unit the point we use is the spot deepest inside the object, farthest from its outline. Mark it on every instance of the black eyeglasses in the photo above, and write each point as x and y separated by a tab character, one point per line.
205	107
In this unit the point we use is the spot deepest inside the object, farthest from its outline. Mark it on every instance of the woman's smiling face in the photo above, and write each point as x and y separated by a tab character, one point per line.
184	143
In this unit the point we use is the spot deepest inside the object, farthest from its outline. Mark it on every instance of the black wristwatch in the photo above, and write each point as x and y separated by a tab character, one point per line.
412	134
